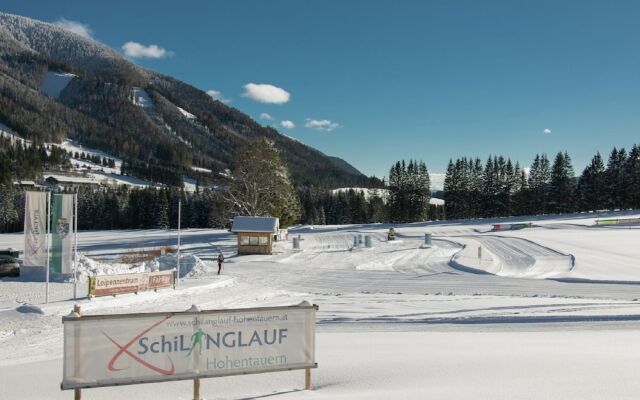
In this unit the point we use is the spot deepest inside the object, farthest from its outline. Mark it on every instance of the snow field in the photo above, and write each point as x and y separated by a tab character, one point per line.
410	365
55	82
396	320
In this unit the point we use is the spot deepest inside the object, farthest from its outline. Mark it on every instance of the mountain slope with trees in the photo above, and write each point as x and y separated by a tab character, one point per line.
97	109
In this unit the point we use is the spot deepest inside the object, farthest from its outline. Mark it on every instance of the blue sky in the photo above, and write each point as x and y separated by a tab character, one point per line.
381	81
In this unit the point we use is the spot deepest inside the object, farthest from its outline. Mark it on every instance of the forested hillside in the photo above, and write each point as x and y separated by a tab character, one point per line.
183	127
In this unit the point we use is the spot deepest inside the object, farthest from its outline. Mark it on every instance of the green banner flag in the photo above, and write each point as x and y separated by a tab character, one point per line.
61	230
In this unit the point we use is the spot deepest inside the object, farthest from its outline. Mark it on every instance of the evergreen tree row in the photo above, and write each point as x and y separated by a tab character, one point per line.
405	199
22	161
500	188
124	208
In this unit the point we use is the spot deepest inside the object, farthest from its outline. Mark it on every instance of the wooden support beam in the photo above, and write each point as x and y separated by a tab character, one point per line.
307	378
196	389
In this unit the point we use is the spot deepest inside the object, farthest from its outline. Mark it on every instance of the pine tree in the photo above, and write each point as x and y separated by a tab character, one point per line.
474	197
592	186
489	190
615	178
562	185
449	191
521	195
161	210
8	212
539	178
631	196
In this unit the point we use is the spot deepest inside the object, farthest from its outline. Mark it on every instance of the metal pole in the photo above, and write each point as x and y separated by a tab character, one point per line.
179	218
46	297
75	247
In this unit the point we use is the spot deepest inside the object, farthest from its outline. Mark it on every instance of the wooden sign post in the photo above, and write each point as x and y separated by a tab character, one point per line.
196	389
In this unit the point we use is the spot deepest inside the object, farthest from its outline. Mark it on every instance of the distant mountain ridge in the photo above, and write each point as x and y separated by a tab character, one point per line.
184	128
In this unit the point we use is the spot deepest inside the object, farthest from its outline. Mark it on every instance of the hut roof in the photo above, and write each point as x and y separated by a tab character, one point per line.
255	224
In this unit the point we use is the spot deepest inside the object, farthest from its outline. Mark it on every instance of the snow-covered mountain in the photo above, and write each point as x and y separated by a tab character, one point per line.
57	85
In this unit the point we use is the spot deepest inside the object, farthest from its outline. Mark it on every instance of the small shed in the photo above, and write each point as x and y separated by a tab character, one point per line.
255	234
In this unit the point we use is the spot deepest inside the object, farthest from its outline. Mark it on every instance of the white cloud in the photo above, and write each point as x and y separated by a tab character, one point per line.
76	27
288	124
217	95
137	50
546	131
266	117
321	124
265	93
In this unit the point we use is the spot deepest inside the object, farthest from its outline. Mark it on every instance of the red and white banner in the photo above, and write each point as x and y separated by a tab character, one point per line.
106	350
35	233
110	285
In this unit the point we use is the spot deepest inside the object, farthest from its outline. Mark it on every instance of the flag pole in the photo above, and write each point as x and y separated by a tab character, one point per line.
75	246
48	233
179	217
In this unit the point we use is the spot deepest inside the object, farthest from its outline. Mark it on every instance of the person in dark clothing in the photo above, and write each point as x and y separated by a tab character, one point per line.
220	261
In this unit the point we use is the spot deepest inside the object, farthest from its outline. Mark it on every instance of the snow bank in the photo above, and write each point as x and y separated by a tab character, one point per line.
190	266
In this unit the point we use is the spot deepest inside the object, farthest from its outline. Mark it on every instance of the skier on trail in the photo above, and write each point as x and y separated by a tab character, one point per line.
196	339
220	261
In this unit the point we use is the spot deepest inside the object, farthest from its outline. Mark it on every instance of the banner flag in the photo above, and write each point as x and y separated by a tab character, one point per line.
35	234
61	230
122	349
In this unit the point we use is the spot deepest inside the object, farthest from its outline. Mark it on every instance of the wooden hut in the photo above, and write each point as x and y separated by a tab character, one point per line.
255	234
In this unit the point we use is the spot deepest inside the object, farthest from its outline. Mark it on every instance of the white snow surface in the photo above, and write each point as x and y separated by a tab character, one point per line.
547	312
141	98
200	169
55	82
186	113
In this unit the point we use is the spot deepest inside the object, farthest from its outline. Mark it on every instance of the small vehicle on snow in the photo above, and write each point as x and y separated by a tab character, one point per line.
9	264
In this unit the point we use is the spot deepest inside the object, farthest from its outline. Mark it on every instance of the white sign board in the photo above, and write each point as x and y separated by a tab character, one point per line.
139	348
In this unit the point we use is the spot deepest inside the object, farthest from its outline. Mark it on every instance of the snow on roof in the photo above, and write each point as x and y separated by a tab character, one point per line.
71	179
24	183
200	169
255	224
